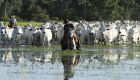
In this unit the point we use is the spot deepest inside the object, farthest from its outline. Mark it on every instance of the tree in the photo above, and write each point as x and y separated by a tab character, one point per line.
42	10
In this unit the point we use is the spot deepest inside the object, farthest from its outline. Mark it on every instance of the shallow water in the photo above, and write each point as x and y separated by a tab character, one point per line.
93	62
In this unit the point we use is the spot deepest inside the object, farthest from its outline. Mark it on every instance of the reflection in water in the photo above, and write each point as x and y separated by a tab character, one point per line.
69	63
18	56
19	64
43	64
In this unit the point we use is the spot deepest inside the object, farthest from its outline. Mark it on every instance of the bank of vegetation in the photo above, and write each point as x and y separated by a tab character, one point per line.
90	10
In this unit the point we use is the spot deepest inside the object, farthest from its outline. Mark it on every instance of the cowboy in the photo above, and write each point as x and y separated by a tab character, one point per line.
68	25
13	21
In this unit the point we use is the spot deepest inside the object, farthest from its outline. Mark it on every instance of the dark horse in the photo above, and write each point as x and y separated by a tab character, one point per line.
68	41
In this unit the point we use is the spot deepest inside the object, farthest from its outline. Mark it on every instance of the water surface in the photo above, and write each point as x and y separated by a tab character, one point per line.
93	62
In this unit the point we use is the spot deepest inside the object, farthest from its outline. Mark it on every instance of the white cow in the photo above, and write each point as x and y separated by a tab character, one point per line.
8	35
46	34
37	36
83	33
20	31
78	30
1	26
97	34
110	34
60	32
123	35
28	36
134	35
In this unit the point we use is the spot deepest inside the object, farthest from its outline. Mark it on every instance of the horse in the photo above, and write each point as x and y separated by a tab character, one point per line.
70	41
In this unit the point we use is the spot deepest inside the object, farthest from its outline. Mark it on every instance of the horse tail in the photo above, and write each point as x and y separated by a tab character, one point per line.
76	41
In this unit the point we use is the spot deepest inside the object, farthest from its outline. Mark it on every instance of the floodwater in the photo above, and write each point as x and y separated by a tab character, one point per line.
92	62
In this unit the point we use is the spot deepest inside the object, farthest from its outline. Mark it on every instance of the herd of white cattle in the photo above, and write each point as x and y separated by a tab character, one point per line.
87	32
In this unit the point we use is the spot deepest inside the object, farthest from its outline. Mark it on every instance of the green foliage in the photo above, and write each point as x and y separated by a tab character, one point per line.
55	18
19	18
5	19
39	14
43	10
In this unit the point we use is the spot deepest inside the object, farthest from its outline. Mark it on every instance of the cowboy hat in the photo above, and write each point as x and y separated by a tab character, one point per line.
13	16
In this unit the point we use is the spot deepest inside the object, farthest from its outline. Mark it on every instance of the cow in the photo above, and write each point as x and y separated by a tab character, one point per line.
123	35
110	34
46	34
83	32
134	35
28	36
57	31
60	32
8	35
37	36
96	34
20	31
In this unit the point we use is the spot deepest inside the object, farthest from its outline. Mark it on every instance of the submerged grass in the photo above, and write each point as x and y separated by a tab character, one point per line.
86	49
99	46
34	47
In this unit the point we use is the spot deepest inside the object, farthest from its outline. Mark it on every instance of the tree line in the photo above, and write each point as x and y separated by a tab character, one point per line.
90	10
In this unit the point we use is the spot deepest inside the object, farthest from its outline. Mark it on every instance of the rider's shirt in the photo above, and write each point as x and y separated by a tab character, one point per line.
13	20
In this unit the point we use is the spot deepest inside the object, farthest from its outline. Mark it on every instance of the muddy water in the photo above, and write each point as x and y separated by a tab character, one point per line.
50	63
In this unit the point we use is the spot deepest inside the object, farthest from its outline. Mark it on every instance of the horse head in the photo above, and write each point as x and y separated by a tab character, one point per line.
68	41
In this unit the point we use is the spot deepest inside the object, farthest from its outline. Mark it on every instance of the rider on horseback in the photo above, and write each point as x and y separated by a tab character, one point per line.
68	25
13	21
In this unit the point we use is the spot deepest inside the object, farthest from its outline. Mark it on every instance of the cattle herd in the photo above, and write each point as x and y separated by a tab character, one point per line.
91	32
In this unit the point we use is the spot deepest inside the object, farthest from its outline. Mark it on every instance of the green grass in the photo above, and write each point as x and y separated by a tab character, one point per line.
86	49
26	23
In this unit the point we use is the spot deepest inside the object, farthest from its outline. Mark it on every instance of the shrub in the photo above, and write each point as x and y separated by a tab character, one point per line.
19	19
6	19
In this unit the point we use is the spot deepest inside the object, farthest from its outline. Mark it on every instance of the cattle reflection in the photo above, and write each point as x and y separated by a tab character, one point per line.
69	63
25	57
47	57
10	56
107	58
36	57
